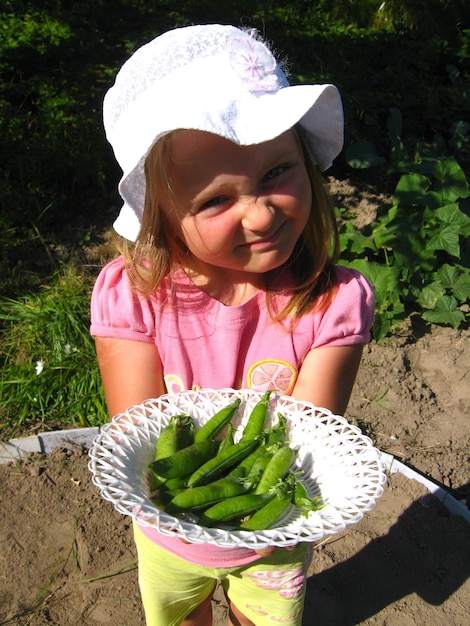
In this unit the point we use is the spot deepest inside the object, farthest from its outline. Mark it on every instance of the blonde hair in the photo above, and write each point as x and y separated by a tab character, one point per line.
157	252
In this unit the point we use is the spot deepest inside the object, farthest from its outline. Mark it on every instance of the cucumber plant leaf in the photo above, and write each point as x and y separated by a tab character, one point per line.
447	239
362	155
451	182
454	279
445	312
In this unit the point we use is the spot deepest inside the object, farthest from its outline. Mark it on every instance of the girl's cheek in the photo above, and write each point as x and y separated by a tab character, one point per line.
300	190
216	229
207	235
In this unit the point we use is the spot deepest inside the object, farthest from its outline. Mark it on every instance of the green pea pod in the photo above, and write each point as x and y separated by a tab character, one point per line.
162	499
270	513
185	432
217	422
245	467
173	437
205	495
180	482
260	465
255	424
273	438
228	440
167	442
276	469
155	481
215	467
233	508
185	461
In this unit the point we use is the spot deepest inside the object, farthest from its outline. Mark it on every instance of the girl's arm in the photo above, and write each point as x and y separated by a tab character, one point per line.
326	379
131	372
327	376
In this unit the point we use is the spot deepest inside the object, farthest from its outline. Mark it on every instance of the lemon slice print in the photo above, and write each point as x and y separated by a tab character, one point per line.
272	374
173	383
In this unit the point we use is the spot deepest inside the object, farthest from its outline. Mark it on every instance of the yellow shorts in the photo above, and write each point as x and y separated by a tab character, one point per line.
269	591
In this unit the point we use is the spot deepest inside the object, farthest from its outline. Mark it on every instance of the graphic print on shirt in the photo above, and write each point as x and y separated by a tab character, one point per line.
272	374
173	383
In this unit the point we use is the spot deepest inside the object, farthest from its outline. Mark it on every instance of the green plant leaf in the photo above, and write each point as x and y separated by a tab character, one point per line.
447	238
445	312
460	136
362	154
353	240
414	189
389	309
384	236
456	280
411	252
451	181
430	294
461	287
382	278
452	214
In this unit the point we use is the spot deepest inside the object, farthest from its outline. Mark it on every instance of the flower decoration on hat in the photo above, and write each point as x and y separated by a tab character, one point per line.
254	63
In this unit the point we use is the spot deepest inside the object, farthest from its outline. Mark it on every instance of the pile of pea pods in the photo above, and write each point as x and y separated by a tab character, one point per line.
247	485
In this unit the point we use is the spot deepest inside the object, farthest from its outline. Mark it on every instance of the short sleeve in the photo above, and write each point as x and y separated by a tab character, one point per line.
348	319
116	310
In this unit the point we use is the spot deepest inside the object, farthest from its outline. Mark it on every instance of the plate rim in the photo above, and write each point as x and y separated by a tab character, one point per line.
282	536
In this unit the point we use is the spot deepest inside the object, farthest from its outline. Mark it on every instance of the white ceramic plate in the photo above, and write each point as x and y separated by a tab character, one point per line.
338	463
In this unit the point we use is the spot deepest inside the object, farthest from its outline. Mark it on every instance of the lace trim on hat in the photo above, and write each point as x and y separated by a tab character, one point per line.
249	56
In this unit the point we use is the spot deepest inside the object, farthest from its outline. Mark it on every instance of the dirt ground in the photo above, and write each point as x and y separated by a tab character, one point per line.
68	559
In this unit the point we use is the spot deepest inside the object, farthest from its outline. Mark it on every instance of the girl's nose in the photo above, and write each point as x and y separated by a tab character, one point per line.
258	214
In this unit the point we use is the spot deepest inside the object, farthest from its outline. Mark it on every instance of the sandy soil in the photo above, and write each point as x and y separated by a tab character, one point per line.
68	558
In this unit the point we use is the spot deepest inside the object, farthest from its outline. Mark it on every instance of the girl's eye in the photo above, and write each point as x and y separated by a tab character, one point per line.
213	203
274	173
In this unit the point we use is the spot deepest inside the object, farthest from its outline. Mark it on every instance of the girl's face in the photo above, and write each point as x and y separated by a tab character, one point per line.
240	209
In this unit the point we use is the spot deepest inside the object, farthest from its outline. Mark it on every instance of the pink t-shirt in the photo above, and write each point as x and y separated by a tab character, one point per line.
203	343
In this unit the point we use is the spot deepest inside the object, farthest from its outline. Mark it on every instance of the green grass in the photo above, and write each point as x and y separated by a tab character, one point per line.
49	369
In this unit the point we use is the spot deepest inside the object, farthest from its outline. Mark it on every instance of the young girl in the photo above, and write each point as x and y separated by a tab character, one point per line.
226	276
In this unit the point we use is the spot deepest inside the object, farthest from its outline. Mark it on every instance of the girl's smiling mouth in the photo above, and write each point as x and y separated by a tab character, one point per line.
263	242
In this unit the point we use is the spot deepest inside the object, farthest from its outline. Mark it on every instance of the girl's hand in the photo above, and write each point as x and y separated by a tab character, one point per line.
264	552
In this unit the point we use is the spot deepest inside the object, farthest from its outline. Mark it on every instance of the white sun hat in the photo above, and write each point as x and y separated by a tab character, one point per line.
214	78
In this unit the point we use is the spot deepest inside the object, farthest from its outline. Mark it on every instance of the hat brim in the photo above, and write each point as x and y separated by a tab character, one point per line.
246	120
